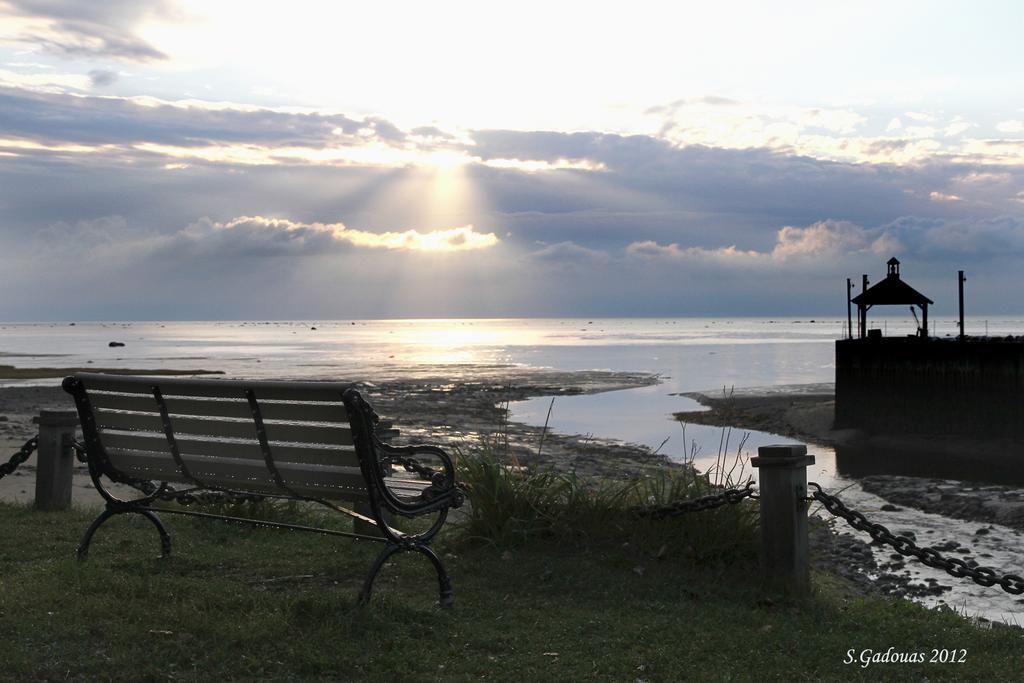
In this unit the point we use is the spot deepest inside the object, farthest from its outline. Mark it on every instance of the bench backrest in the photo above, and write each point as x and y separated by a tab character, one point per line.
213	428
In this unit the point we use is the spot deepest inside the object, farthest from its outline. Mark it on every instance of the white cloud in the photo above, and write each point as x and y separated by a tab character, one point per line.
920	131
747	124
919	116
956	127
887	245
44	82
543	165
816	244
280	230
113	240
825	238
570	253
723	256
1012	126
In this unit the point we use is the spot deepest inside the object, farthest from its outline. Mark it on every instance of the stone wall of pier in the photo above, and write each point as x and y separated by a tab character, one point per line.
973	387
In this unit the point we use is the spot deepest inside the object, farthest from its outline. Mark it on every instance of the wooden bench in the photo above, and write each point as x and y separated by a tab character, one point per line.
307	441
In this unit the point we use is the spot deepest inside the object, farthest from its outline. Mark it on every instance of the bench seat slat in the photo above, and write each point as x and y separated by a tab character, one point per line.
314	455
239	429
238	408
255	478
216	388
328	482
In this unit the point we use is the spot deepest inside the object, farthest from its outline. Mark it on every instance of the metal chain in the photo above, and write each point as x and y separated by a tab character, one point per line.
415	466
21	456
729	496
983	576
410	464
190	496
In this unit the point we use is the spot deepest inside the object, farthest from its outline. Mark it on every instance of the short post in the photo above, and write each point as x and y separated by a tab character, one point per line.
54	459
783	491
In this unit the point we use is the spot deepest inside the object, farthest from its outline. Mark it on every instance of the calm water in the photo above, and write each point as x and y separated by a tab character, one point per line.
692	354
341	348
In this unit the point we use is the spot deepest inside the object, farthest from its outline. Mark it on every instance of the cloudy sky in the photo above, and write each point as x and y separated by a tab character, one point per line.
208	160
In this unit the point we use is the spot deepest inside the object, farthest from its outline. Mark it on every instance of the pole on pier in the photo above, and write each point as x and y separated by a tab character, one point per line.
960	287
54	459
861	311
849	305
783	490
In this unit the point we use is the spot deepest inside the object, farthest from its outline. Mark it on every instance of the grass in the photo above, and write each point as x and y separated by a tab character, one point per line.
236	603
554	581
512	505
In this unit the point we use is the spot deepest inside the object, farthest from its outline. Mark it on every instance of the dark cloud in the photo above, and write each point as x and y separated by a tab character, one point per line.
100	78
718	101
429	132
549	146
92	29
709	100
385	130
707	196
106	120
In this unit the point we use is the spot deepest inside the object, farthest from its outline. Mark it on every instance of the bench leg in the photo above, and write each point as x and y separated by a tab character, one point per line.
389	550
165	538
444	583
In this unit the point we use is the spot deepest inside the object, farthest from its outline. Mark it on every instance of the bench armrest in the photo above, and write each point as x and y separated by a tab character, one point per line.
443	491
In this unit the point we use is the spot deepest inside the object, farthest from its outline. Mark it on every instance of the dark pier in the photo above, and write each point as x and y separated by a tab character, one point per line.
967	386
893	385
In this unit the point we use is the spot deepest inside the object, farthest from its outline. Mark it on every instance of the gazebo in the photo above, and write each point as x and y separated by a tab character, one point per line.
892	291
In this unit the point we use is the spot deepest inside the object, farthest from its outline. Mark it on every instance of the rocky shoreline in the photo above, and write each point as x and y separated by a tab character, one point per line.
980	503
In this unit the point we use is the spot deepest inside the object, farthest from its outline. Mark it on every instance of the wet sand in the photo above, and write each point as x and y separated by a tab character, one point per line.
804	416
11	372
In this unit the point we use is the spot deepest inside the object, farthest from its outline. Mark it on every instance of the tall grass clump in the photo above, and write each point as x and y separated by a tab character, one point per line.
511	505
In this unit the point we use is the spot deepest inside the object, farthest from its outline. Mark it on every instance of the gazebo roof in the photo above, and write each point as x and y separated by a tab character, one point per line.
891	291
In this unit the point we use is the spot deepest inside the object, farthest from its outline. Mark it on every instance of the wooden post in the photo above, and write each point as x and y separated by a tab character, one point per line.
783	489
54	459
862	308
960	288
